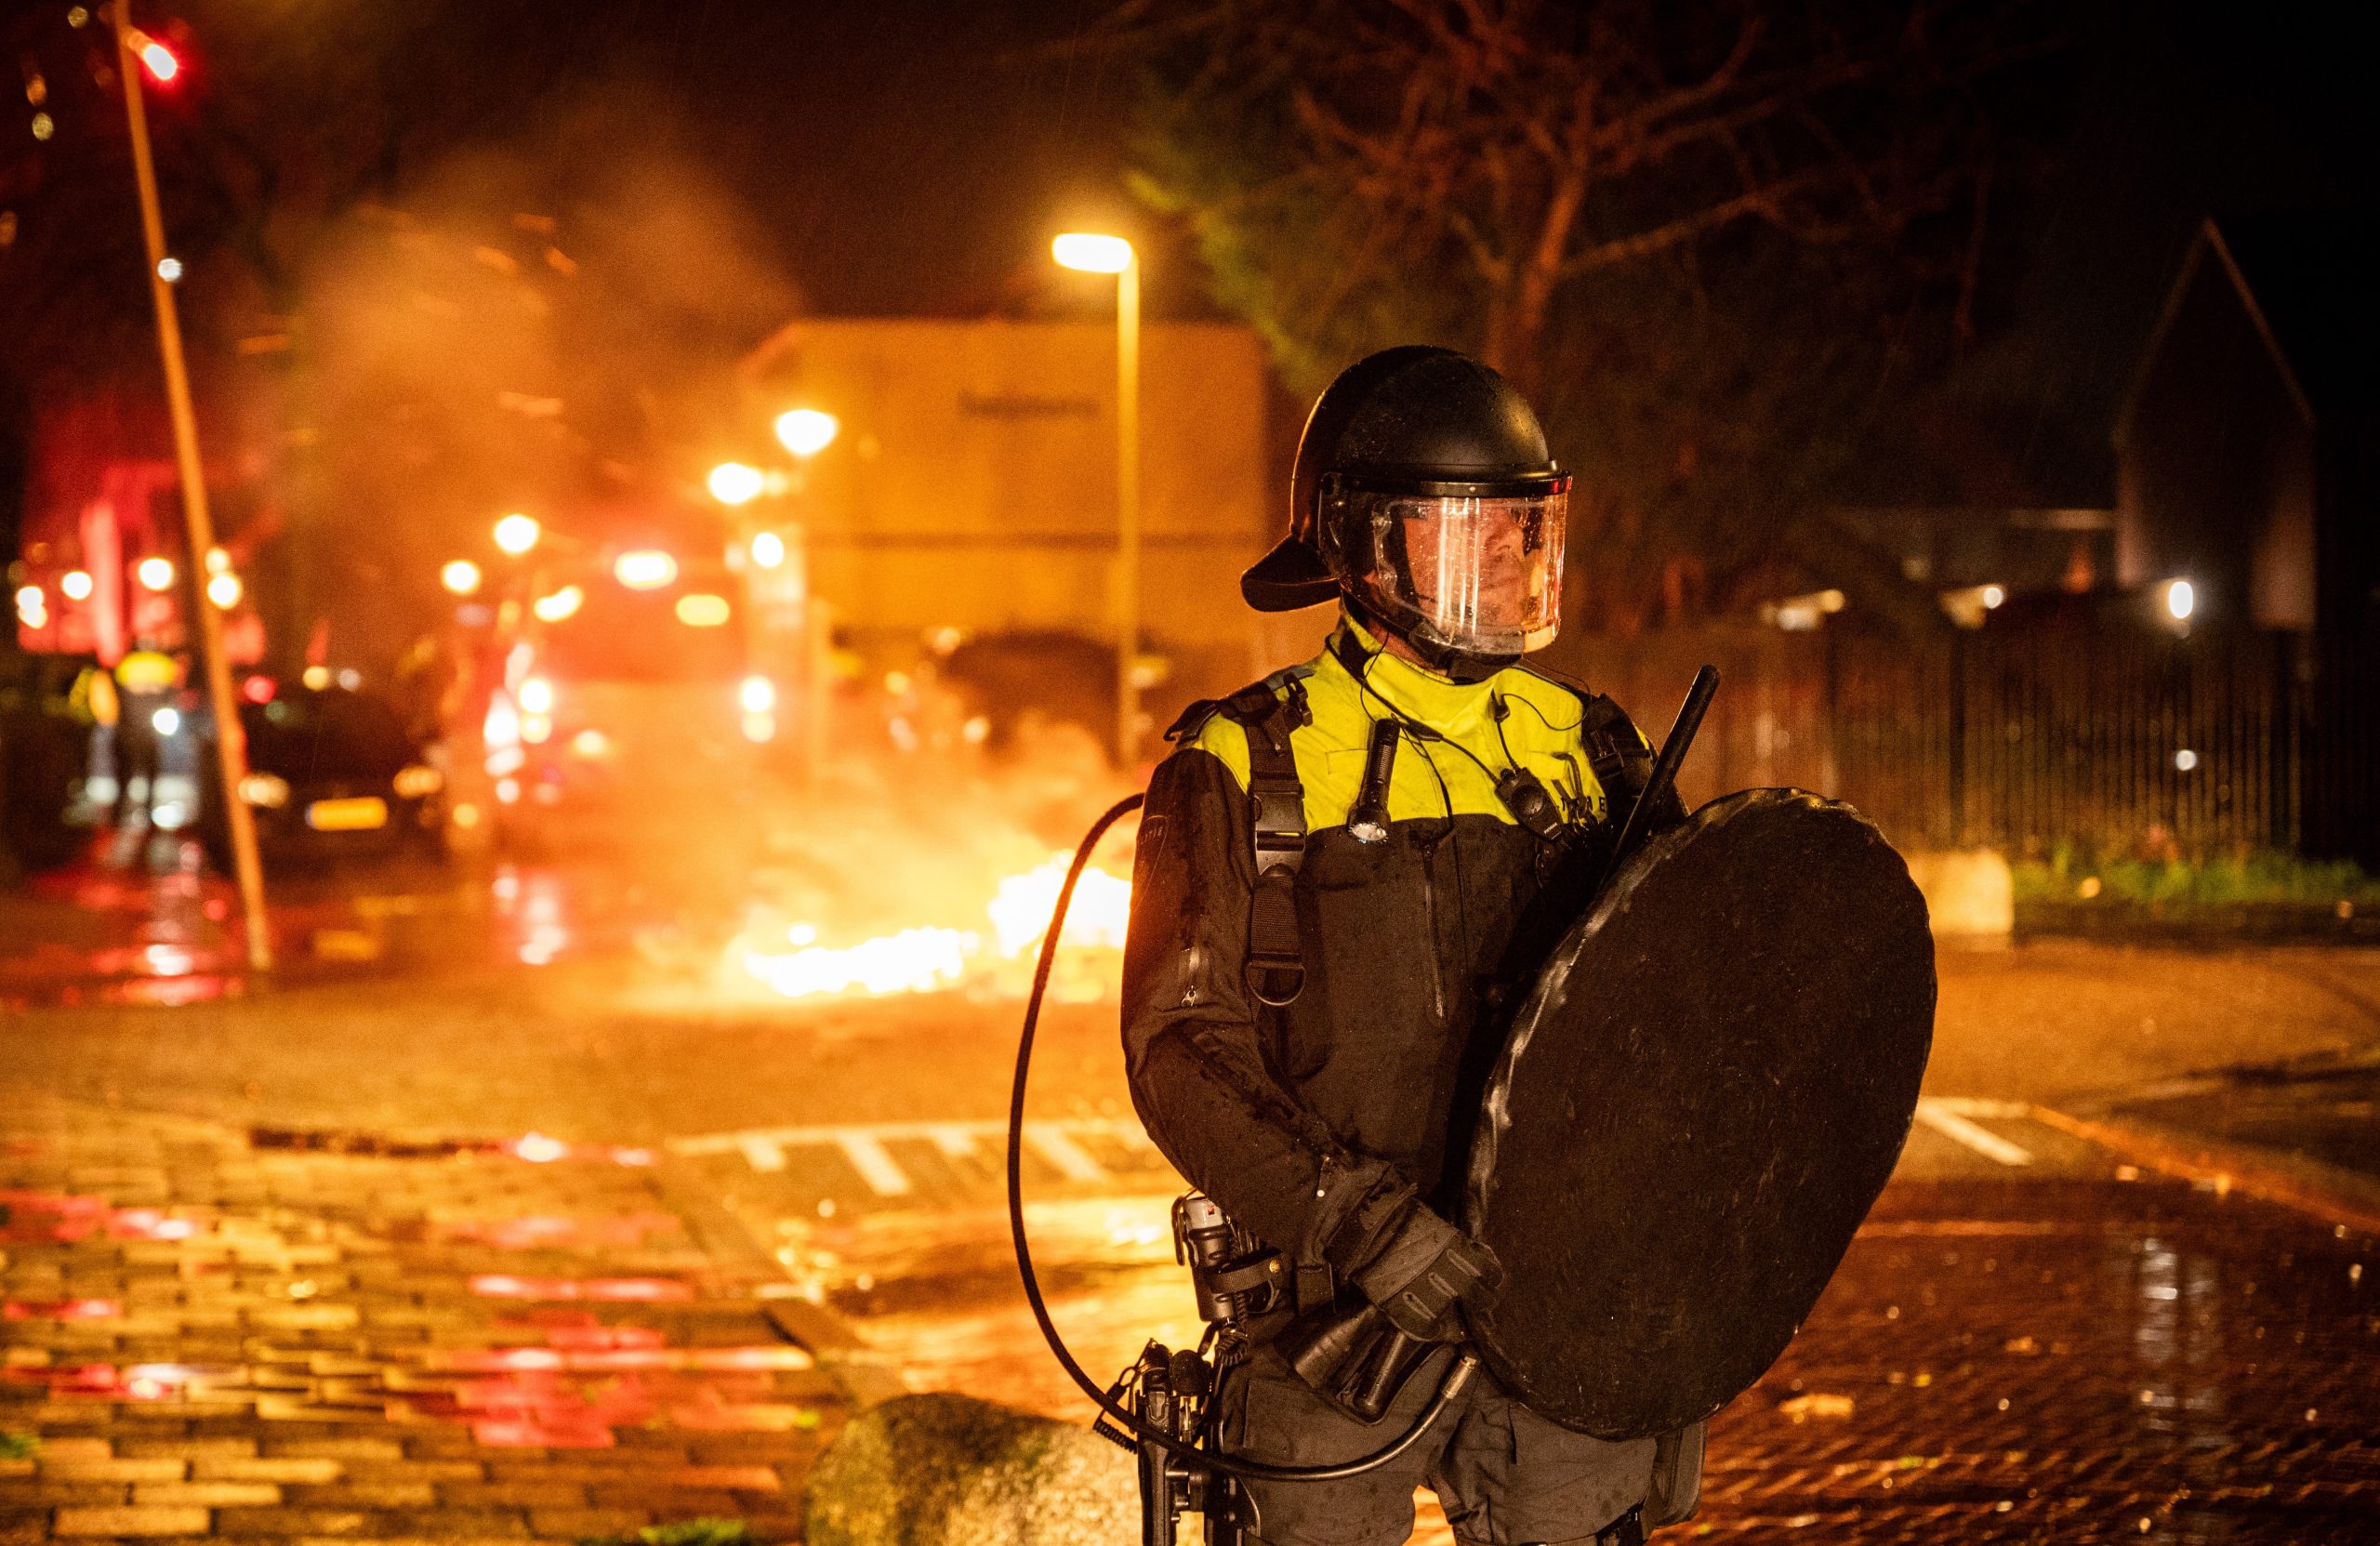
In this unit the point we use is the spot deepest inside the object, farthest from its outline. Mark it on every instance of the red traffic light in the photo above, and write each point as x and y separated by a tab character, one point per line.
160	59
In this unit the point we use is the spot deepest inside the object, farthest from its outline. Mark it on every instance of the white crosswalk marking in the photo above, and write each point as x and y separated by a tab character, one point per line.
1952	1119
1052	1144
1058	1144
761	1154
954	1140
874	1165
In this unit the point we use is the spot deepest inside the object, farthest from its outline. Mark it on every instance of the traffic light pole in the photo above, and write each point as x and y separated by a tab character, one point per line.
231	739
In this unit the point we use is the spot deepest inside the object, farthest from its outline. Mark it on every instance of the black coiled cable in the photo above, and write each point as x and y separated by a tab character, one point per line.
1459	1375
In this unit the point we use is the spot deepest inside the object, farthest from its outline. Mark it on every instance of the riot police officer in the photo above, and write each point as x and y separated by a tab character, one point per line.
1335	875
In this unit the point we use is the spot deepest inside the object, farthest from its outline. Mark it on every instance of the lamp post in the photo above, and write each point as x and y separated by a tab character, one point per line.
1094	254
134	51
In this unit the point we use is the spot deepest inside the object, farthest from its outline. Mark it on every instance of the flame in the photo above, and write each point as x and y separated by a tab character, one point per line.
788	961
915	961
1022	908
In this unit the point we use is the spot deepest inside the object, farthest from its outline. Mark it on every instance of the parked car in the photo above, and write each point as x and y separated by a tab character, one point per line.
331	772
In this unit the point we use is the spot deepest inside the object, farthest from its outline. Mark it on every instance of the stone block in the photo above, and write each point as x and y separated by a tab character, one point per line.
946	1470
379	1473
292	1521
458	1523
735	1479
337	1448
218	1446
588	1523
364	1495
51	1495
113	1470
1970	896
131	1522
208	1495
523	1494
264	1468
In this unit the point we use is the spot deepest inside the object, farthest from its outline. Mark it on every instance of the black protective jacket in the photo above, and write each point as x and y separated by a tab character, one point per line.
1317	1124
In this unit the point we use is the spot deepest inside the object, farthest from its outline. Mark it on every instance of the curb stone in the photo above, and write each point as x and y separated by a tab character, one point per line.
2325	1191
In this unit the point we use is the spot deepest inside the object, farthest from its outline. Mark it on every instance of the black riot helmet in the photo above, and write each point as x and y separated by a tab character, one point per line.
1424	495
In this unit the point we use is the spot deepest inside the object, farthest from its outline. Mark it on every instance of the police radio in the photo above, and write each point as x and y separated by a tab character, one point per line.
1234	1278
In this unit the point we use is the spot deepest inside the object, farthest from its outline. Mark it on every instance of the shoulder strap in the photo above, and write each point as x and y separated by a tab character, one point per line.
1275	955
1622	759
1613	750
1186	724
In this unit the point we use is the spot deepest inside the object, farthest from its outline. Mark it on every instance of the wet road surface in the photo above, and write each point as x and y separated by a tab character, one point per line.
2032	1339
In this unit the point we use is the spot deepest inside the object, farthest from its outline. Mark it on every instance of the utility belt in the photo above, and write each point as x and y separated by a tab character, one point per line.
1356	1361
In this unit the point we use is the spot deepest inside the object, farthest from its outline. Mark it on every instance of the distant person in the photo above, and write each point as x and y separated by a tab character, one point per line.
146	682
94	700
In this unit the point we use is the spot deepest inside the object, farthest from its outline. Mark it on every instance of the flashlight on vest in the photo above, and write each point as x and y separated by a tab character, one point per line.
1367	823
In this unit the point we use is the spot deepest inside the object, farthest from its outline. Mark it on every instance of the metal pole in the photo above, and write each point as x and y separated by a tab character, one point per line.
1127	500
231	739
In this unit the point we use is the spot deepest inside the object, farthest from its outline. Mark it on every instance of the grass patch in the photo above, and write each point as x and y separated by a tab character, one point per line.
2255	877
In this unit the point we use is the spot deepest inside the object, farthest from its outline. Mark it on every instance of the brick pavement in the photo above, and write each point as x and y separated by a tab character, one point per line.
206	1338
2077	1361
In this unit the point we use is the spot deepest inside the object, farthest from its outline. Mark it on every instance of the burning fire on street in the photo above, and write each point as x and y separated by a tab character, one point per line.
792	959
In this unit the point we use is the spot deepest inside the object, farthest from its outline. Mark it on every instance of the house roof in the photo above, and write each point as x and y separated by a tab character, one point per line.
2306	281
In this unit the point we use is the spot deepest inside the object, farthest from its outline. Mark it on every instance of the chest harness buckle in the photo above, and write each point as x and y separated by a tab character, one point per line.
1275	953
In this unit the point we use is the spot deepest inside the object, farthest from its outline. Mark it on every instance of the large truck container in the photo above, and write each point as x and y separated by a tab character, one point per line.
971	490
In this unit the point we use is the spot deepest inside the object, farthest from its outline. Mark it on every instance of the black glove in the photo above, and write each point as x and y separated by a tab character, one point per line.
1421	1269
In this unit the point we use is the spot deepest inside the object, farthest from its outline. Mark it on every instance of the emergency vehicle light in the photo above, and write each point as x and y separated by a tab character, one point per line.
645	569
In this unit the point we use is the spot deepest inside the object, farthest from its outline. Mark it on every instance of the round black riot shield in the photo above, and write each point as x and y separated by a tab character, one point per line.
1696	1103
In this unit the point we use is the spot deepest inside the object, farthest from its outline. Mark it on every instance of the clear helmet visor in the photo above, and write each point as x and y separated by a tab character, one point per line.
1477	575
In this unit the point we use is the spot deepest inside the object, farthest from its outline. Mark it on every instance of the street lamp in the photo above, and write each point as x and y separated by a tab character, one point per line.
806	431
735	483
1090	253
516	534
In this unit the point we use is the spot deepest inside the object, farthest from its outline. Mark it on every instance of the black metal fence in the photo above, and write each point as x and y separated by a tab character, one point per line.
2075	722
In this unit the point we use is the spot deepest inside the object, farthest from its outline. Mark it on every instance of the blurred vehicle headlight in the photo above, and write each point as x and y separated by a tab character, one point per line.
269	790
536	696
702	610
417	782
645	569
758	695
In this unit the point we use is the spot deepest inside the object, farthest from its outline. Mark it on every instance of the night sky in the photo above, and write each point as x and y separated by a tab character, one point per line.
914	157
909	156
